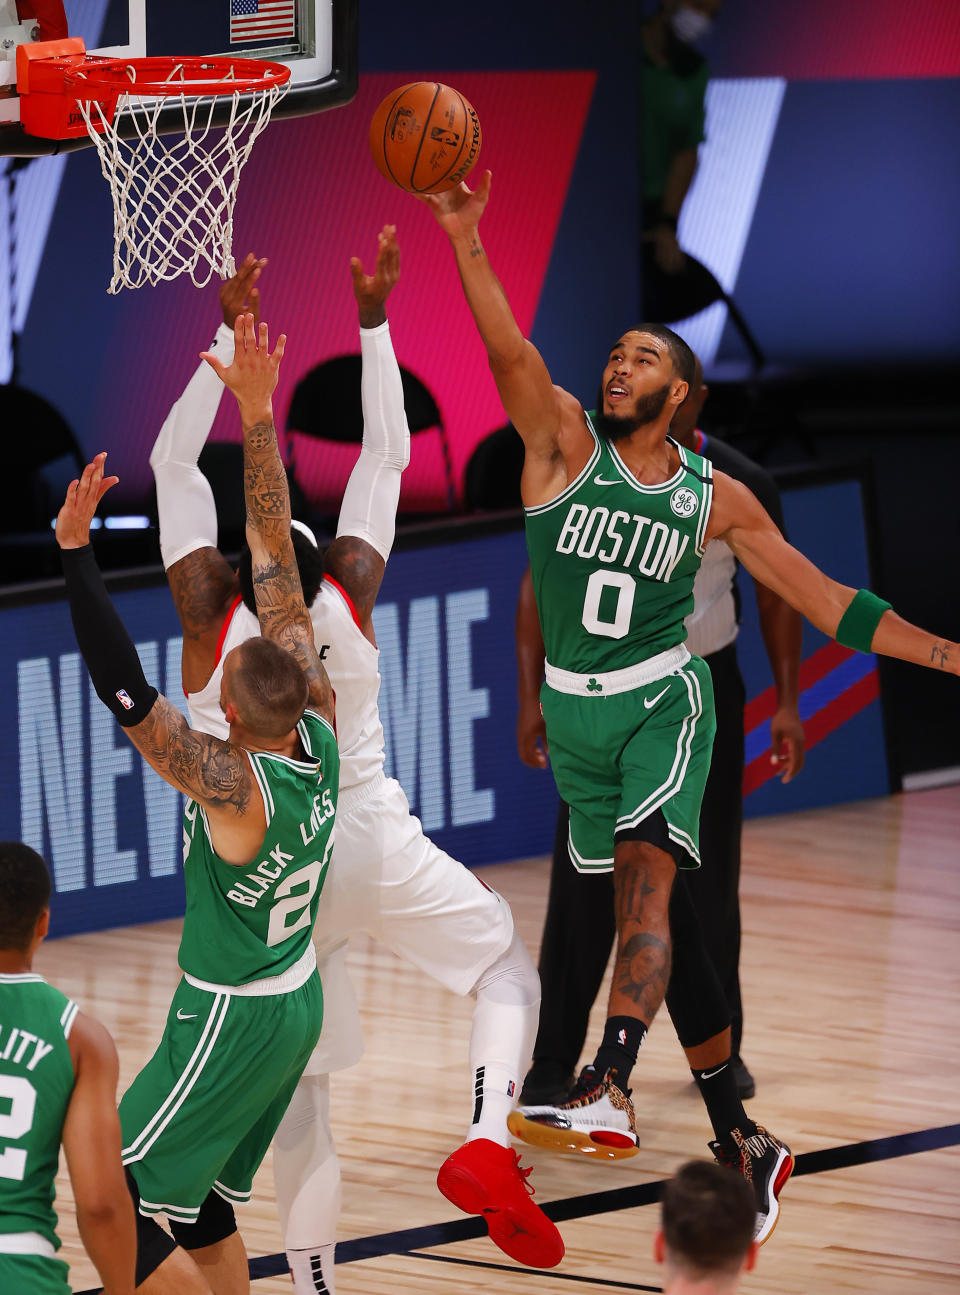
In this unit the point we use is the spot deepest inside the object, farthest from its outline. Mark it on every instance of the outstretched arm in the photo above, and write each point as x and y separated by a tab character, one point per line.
201	580
211	771
276	580
526	389
357	557
855	619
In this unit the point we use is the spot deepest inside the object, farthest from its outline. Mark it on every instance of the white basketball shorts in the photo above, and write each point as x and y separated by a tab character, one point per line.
388	880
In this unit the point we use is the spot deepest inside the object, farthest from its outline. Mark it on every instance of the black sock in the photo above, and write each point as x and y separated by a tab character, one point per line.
622	1036
718	1088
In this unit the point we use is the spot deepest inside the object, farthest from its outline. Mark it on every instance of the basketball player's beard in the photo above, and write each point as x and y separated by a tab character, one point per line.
647	408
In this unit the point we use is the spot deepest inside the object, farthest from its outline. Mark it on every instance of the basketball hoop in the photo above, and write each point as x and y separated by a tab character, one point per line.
173	193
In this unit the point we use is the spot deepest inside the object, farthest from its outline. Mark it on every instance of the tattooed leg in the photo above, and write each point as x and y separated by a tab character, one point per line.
642	877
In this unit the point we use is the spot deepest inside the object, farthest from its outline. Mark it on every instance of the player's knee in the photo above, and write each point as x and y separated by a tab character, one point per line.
307	1118
153	1244
512	977
215	1222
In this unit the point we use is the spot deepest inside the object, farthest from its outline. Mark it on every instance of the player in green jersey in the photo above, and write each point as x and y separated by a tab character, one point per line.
58	1085
617	517
198	1119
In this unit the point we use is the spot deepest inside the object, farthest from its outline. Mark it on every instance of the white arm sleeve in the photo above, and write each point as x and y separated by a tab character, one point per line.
187	512
369	508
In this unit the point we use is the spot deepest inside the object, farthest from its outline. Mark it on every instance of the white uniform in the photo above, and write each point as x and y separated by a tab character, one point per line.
386	877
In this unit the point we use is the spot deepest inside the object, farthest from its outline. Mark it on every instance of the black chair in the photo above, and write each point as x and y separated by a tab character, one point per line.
491	482
41	457
669	298
326	405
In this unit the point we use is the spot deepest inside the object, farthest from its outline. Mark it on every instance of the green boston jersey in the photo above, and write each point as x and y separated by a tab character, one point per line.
250	922
613	561
36	1080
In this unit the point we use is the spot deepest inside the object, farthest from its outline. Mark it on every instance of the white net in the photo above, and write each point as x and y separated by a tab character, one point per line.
173	195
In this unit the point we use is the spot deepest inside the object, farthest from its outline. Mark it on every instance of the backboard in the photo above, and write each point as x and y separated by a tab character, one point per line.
316	39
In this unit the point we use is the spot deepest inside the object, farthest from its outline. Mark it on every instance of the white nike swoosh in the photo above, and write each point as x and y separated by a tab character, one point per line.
602	481
186	1016
648	704
709	1074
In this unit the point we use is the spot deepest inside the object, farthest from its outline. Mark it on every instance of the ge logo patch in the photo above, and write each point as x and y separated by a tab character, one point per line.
684	502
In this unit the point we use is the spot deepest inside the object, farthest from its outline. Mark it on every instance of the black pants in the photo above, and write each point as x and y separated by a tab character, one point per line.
703	996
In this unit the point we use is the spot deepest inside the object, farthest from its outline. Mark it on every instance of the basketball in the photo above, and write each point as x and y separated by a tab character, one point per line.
425	137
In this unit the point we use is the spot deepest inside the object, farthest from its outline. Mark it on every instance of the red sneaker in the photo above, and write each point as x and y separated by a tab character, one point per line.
481	1177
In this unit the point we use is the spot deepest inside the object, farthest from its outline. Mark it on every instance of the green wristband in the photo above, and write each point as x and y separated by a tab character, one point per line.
859	622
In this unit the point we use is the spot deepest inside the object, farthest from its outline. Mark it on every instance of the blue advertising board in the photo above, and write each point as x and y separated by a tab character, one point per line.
73	787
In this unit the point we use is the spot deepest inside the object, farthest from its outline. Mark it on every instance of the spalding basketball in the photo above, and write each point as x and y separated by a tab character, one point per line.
425	137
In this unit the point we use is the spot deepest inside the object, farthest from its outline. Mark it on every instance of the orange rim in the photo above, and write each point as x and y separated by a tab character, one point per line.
203	77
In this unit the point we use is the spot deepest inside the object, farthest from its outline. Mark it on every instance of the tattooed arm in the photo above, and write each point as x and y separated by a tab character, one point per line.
214	773
204	587
276	580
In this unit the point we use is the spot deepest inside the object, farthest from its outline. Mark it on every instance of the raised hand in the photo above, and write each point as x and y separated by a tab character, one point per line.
254	373
80	505
458	211
372	290
239	294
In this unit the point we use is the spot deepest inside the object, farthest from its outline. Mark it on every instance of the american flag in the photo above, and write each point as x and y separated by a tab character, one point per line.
261	20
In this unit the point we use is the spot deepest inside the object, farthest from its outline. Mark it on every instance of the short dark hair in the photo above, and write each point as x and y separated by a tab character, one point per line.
310	563
684	360
268	688
708	1214
24	893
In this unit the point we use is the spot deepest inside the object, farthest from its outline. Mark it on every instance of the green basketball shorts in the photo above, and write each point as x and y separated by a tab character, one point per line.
618	757
203	1111
33	1275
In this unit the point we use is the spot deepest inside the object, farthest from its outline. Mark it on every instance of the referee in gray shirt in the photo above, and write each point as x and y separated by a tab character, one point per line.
580	924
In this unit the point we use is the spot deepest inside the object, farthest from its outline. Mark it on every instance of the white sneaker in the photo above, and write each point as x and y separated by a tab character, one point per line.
596	1119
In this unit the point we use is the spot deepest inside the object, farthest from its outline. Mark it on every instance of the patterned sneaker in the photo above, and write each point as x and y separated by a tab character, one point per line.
483	1178
766	1163
596	1119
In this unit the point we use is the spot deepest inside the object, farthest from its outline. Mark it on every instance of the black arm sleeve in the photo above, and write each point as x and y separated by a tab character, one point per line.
104	643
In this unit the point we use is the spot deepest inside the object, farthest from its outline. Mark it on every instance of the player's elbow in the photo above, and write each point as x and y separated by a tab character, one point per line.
507	357
103	1207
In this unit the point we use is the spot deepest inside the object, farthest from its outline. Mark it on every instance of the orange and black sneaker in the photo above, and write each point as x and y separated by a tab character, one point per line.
596	1119
766	1163
481	1177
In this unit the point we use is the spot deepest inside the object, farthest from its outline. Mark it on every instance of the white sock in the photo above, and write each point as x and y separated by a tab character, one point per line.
501	1043
495	1095
312	1270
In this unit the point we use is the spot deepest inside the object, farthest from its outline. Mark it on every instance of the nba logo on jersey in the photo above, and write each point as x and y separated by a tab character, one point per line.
124	699
511	1088
622	1038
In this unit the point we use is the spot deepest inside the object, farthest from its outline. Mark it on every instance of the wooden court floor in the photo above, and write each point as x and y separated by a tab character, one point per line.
851	971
